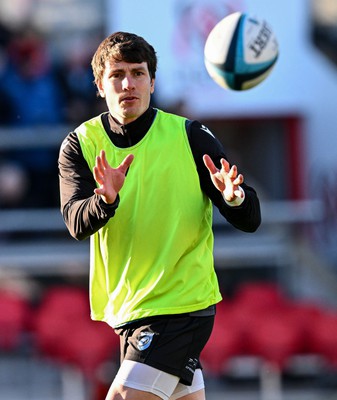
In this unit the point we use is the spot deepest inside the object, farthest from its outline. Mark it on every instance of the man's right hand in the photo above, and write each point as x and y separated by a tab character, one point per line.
110	180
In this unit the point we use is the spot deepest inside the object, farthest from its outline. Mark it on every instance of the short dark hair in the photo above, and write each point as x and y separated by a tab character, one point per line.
124	46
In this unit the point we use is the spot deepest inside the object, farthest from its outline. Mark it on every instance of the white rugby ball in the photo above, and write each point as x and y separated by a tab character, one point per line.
240	51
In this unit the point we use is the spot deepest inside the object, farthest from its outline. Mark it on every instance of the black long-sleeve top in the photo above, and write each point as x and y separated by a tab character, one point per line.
85	212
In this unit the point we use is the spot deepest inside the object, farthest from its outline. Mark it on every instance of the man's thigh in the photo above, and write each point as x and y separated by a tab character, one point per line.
125	393
118	392
140	381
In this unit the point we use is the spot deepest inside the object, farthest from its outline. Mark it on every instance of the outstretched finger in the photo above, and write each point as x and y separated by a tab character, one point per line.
225	165
103	159
238	180
97	175
233	172
125	164
210	164
99	164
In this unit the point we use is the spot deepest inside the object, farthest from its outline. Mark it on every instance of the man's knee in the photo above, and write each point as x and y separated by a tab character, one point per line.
120	392
199	395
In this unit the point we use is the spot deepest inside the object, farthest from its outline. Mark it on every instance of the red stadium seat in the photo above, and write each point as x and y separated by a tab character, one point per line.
89	345
322	338
260	295
60	309
70	301
305	313
224	343
65	332
14	315
275	337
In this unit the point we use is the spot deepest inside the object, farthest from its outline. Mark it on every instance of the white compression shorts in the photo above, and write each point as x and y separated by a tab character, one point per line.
140	376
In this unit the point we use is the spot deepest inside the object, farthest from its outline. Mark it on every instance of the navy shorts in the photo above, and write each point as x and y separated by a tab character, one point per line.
169	343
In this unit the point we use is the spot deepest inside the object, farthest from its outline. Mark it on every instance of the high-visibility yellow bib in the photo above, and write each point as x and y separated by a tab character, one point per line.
155	256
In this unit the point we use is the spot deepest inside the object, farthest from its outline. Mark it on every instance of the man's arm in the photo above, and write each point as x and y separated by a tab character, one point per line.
247	215
83	211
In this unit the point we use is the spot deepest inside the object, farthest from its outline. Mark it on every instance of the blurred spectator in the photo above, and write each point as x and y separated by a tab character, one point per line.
77	82
29	82
13	185
31	92
37	91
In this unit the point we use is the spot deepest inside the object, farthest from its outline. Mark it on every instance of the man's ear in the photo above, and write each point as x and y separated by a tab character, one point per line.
100	88
152	85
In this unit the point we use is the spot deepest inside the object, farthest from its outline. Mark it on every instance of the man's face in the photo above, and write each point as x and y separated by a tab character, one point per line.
127	88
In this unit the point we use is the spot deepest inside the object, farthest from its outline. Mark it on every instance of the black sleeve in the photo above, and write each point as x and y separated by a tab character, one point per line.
83	211
247	216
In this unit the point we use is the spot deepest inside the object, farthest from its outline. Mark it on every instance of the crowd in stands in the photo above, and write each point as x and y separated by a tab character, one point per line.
39	90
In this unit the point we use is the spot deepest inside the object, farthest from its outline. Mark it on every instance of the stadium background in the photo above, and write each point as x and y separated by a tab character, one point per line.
281	133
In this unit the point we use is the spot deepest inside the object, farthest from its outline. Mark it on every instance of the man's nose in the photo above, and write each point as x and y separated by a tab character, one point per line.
128	83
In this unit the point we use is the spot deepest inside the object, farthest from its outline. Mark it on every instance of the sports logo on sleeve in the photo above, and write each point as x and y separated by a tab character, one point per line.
204	128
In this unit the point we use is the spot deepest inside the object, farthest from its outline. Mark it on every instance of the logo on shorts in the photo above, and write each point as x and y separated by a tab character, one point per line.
191	364
145	340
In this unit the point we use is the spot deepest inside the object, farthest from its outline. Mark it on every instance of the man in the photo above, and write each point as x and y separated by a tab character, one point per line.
140	182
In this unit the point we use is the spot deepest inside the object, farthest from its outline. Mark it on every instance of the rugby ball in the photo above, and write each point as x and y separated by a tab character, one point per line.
240	51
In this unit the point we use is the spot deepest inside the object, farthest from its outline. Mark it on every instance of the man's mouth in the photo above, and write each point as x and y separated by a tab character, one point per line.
129	98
